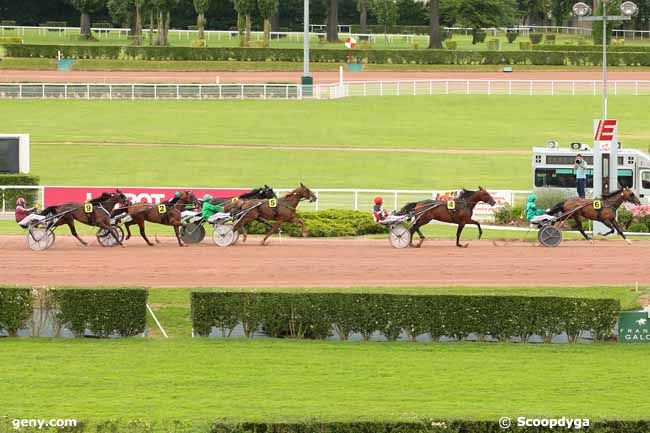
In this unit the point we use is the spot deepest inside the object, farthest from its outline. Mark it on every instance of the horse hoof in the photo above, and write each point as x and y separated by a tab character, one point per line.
629	242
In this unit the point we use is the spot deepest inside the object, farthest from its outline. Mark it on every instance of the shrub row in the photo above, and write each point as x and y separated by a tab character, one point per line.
549	57
307	315
11	195
103	312
15	309
314	426
6	40
598	48
328	223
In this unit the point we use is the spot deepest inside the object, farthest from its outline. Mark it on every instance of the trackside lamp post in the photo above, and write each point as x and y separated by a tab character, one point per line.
582	11
307	80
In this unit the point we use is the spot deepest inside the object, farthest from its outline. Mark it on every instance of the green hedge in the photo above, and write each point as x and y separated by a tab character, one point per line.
102	311
15	309
457	57
11	195
597	48
307	315
328	223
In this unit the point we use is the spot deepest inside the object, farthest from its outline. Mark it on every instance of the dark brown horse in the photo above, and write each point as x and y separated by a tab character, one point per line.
96	212
458	211
603	210
282	210
166	213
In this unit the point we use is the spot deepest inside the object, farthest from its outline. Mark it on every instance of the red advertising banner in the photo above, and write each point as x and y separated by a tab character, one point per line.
53	195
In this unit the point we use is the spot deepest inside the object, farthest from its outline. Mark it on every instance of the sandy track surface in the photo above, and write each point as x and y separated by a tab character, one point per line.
323	263
292	77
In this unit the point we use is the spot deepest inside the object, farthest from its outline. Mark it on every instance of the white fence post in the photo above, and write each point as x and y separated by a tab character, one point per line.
356	200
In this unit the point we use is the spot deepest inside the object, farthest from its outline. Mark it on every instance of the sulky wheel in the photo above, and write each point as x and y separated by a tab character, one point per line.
400	237
224	235
39	239
549	236
106	239
192	233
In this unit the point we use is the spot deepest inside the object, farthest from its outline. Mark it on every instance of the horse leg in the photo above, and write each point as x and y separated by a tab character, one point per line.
243	233
73	230
178	234
274	228
415	228
480	230
297	220
459	231
578	221
611	228
128	230
143	234
620	230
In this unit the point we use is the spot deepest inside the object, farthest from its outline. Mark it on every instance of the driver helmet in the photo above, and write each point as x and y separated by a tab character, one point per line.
379	200
20	202
177	194
207	197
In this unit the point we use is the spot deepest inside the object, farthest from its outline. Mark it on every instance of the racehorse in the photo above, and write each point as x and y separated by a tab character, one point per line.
603	210
259	193
282	210
458	211
96	212
166	213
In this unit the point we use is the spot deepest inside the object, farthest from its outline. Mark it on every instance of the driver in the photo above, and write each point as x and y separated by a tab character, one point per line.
26	215
378	211
208	209
531	208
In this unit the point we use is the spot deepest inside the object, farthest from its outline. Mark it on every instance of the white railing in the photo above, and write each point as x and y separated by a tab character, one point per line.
151	91
316	32
329	198
320	91
481	87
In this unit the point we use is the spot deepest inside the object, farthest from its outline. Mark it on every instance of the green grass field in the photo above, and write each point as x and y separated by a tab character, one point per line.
203	380
379	130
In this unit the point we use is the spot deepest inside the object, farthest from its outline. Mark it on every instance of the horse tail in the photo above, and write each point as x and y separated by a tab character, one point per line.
556	209
49	210
408	208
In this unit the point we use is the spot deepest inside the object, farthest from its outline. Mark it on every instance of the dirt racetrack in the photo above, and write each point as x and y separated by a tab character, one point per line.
323	263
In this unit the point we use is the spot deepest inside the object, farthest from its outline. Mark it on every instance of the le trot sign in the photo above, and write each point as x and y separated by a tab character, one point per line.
634	327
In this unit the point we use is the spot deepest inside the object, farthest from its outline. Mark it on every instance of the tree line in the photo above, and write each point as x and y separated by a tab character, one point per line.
280	15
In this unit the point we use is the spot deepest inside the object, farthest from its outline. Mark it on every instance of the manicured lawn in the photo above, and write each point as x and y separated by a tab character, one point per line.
182	166
428	122
202	380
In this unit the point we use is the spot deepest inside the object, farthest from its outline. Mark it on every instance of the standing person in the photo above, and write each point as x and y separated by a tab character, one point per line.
26	215
581	175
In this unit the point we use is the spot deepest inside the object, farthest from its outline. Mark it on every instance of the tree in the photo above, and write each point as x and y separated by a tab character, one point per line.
534	11
484	13
386	12
86	7
613	8
268	9
201	7
561	11
362	7
435	41
332	23
245	9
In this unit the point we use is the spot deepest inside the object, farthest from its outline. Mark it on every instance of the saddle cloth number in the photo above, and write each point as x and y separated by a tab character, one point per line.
598	204
162	209
273	203
88	207
451	204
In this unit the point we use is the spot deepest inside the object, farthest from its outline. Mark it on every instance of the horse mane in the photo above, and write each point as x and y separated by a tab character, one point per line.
251	194
101	198
612	194
465	193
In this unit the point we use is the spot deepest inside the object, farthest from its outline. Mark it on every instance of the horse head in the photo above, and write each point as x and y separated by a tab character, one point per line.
267	192
628	195
484	196
122	199
188	197
303	192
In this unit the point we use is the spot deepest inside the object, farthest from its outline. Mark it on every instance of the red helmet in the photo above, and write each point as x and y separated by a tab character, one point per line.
379	200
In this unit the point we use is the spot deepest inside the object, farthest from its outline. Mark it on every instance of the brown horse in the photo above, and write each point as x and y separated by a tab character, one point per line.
166	213
603	210
458	211
282	210
96	212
